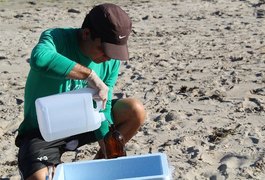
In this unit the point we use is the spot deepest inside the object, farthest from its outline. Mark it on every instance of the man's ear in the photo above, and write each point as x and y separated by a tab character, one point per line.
85	34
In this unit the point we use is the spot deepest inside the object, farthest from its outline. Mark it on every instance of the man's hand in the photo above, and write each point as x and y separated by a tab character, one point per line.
81	72
96	83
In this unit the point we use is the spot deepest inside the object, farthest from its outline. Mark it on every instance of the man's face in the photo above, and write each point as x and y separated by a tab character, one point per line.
95	51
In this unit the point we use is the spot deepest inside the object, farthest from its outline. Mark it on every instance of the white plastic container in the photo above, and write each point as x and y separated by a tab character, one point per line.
141	167
67	114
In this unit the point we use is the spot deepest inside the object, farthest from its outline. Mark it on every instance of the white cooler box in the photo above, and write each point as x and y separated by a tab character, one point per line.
140	167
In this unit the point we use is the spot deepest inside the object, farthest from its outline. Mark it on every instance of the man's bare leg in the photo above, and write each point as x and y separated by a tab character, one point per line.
129	114
41	174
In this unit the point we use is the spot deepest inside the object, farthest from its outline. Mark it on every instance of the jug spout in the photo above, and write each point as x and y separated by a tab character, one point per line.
100	116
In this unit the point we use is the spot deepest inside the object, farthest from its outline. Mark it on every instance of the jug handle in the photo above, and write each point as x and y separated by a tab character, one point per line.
99	105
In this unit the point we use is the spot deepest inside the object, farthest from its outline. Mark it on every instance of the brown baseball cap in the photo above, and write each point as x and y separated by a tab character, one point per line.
113	26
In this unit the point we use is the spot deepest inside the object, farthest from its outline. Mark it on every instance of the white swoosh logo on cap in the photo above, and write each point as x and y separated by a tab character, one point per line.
121	37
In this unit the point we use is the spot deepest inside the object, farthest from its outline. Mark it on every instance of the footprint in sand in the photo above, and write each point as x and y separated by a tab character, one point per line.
233	161
258	91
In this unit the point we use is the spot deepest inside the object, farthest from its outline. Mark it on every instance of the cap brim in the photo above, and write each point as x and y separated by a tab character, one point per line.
115	51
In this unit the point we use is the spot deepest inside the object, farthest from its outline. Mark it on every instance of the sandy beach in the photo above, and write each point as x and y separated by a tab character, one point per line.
197	65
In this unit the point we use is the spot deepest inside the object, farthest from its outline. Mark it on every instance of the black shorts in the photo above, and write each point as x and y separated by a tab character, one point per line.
35	153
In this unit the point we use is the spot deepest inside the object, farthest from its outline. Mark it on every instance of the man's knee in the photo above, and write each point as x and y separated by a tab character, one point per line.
137	110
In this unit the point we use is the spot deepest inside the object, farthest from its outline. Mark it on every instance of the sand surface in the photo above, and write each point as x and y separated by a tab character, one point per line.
197	65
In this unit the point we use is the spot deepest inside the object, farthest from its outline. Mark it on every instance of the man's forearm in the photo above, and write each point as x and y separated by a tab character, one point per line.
79	72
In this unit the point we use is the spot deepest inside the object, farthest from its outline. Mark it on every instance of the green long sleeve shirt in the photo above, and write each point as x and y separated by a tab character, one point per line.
52	59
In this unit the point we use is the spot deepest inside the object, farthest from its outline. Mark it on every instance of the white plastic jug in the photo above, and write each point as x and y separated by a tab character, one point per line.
67	114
